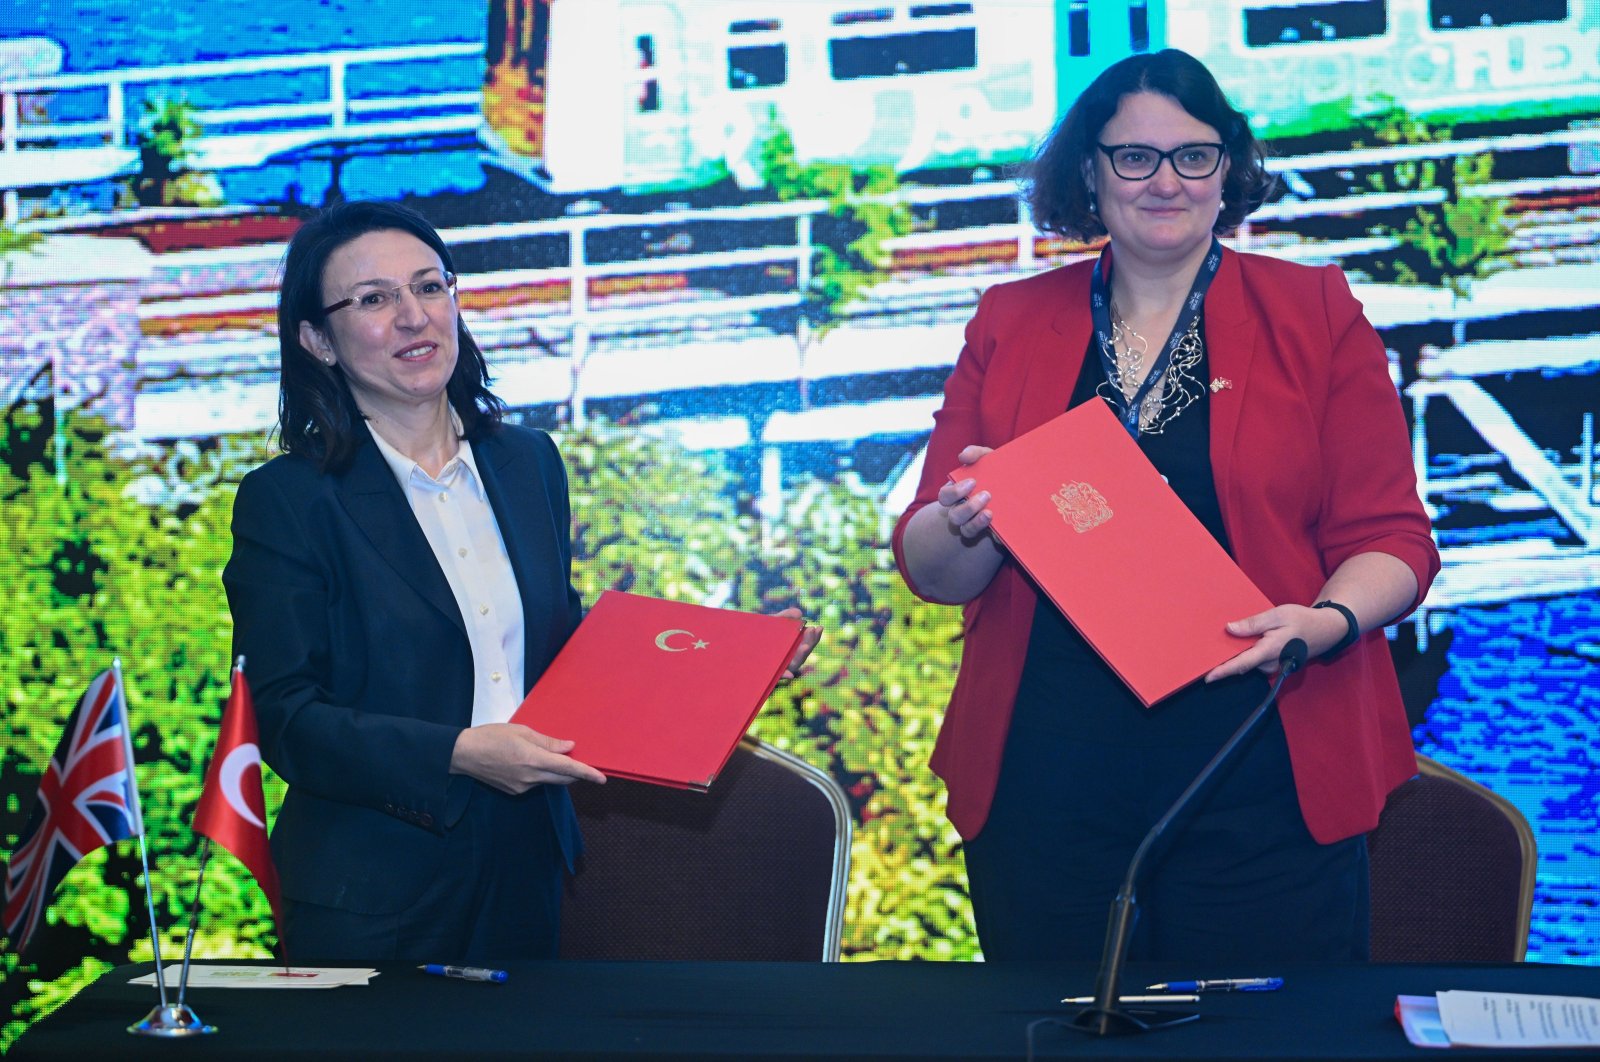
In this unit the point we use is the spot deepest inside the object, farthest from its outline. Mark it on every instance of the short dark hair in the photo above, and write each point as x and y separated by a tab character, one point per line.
317	414
1054	184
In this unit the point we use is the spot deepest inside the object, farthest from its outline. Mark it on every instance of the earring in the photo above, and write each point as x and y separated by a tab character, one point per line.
1094	206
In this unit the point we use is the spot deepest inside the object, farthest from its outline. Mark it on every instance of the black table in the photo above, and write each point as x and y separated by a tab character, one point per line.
878	1010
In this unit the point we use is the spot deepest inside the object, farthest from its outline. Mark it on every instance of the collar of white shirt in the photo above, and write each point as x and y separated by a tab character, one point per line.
404	468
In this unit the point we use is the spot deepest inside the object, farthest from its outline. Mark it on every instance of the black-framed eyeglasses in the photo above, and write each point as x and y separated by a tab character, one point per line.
384	300
1139	162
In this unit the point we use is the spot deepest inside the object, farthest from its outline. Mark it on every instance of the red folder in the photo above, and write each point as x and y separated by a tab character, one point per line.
1082	509
659	691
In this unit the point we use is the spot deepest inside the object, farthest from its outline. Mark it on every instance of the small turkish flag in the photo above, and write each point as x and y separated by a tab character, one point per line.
232	810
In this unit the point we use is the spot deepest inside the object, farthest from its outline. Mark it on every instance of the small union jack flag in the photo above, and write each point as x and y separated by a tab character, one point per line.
87	799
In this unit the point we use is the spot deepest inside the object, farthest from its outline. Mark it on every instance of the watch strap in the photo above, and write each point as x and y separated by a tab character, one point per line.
1351	634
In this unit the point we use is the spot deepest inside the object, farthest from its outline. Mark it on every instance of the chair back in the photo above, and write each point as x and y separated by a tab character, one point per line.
753	869
1453	869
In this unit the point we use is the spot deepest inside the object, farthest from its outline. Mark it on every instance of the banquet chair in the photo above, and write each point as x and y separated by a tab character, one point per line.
1452	870
753	869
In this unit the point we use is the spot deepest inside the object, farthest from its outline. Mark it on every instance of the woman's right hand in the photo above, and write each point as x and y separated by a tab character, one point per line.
948	552
967	513
513	758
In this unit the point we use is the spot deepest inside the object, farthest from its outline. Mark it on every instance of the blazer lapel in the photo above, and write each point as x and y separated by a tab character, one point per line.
520	494
1230	349
1054	364
521	509
378	506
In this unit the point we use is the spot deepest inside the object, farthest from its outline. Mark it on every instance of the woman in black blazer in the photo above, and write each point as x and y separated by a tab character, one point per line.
400	577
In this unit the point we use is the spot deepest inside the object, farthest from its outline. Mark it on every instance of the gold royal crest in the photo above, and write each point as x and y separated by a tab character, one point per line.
1081	506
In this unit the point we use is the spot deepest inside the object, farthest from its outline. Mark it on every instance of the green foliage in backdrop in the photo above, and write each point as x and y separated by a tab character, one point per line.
1448	242
850	248
653	518
13	242
166	140
114	552
123	555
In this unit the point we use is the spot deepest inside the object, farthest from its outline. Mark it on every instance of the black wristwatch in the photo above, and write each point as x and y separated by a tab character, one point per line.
1352	632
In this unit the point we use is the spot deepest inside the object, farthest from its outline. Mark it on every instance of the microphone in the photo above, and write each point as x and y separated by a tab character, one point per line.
1105	1017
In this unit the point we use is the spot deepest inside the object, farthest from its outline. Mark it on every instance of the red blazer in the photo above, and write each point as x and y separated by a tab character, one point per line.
1312	461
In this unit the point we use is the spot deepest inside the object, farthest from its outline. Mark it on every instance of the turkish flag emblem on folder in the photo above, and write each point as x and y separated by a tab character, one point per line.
1082	509
658	691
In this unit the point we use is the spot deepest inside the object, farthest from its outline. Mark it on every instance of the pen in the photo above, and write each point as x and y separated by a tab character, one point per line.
1168	998
465	973
1224	984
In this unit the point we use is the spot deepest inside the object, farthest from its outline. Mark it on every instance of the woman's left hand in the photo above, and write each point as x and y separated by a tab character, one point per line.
809	637
1320	628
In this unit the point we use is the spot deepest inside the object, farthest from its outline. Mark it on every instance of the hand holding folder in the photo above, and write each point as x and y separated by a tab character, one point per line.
658	691
1084	512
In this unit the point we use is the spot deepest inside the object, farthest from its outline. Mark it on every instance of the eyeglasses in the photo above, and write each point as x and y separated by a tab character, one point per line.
385	300
1139	162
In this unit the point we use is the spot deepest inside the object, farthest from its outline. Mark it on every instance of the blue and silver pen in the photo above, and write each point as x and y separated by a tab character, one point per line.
1224	984
465	973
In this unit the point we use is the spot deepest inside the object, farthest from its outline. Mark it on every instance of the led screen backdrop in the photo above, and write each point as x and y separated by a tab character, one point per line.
724	250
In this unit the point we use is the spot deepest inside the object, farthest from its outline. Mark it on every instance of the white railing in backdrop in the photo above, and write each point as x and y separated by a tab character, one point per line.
30	155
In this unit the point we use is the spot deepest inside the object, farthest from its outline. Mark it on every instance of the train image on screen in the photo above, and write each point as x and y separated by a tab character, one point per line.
644	95
595	94
1303	68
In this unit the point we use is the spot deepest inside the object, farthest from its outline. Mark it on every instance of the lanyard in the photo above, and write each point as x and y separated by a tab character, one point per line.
1100	311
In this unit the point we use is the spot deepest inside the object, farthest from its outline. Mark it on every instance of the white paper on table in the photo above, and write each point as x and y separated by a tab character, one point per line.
1516	1019
204	976
1419	1017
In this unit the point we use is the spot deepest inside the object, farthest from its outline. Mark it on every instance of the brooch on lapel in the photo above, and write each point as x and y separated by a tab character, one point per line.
1221	383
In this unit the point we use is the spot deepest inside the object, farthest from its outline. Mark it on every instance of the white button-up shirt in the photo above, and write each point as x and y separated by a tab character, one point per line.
459	524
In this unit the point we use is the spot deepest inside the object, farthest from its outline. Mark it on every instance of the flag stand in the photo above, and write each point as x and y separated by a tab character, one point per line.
178	1019
168	1020
171	1021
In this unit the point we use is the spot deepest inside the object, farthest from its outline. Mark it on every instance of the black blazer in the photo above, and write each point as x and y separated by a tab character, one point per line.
359	662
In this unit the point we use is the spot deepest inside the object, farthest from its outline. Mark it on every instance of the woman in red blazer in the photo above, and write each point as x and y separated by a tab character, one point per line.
1263	395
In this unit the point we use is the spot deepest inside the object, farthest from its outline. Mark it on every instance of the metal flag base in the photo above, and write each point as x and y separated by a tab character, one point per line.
172	1021
1112	1021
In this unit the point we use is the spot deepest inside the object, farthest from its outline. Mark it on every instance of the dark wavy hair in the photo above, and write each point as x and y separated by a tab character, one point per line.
317	414
1055	186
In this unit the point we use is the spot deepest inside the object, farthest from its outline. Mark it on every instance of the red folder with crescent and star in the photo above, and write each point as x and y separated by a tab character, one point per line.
1089	518
660	691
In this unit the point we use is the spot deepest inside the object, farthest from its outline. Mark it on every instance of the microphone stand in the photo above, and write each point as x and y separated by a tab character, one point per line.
1104	1017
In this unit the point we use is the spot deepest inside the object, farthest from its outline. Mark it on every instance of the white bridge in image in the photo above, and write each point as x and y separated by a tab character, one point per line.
39	150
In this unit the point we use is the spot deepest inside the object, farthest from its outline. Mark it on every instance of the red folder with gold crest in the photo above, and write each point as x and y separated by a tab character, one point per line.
1082	509
659	691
